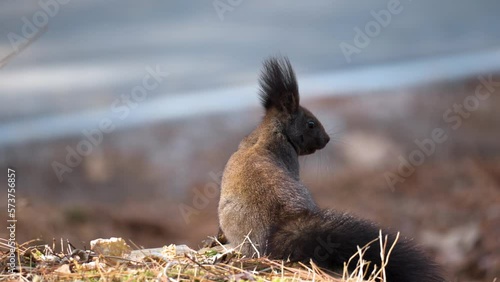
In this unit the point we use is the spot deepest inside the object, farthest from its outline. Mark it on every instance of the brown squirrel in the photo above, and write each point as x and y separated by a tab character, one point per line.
266	210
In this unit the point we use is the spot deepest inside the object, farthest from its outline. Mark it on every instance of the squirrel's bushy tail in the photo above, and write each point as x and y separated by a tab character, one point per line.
330	239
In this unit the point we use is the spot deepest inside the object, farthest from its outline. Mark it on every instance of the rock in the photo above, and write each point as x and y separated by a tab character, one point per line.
63	269
111	247
165	253
92	266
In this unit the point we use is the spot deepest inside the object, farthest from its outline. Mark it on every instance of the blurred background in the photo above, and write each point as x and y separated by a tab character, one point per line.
119	116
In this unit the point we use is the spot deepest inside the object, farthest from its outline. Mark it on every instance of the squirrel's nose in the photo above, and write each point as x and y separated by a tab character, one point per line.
327	139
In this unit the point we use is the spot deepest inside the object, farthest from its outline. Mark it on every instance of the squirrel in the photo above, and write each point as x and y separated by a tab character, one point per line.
266	210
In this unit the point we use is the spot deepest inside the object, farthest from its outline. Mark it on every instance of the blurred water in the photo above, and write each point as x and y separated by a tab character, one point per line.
93	51
184	105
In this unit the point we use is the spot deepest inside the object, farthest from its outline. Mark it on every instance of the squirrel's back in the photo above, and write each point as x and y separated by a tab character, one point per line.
266	210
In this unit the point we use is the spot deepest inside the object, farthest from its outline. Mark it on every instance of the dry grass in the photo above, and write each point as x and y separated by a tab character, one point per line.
40	262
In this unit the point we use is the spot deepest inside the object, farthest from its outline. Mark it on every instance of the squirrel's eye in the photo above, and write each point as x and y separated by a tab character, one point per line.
311	124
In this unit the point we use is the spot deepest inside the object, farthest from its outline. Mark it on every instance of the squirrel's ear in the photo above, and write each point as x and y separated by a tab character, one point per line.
278	86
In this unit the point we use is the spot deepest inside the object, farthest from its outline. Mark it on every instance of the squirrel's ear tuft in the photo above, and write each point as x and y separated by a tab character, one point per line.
278	85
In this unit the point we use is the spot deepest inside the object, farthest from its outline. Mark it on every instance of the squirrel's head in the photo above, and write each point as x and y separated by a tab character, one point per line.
280	97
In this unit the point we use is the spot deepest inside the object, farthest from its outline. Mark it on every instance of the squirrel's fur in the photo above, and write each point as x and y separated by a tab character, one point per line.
263	199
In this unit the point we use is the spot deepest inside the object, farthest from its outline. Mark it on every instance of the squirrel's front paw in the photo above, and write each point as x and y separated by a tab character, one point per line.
211	242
